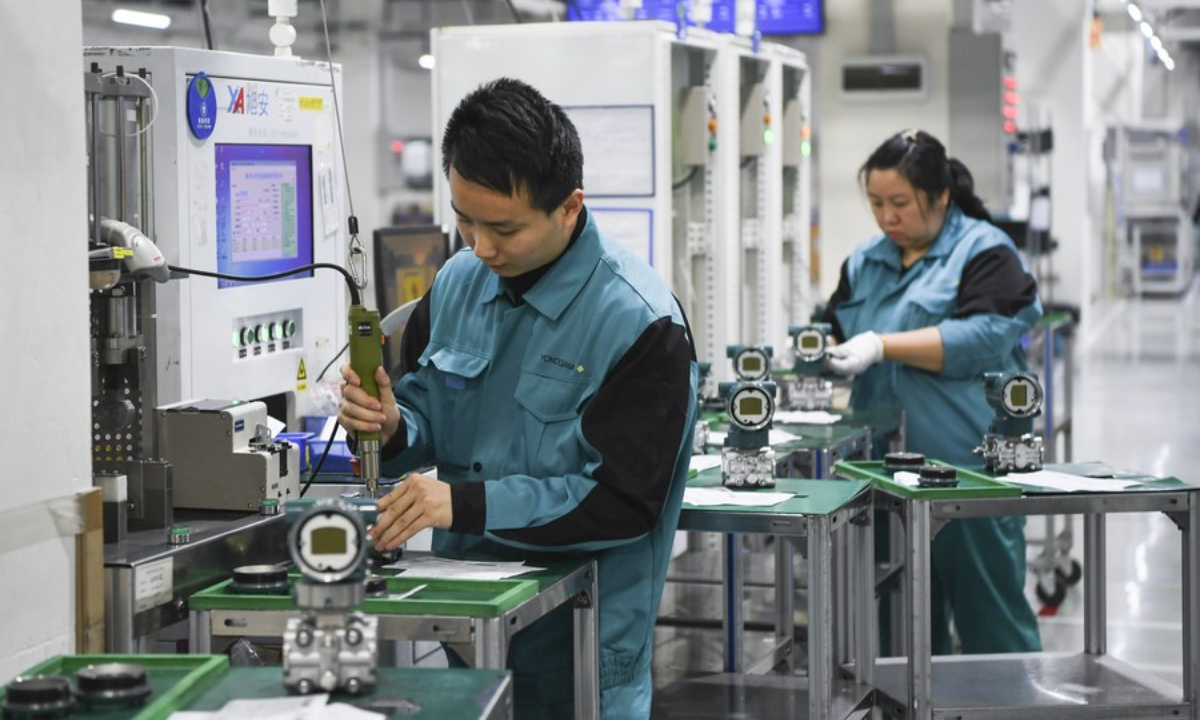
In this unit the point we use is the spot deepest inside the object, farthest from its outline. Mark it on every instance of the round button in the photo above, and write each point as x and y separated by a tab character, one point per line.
289	328
260	333
276	331
247	336
477	467
237	338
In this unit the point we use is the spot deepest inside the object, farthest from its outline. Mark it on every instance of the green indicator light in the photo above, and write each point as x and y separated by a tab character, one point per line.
805	148
236	336
768	136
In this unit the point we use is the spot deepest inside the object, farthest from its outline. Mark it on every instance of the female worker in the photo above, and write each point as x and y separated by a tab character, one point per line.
920	313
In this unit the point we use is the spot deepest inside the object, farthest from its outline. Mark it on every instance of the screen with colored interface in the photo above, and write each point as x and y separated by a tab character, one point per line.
329	541
750	406
264	210
774	17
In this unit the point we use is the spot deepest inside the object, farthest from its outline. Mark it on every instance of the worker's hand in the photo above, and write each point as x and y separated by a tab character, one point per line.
360	413
417	502
855	355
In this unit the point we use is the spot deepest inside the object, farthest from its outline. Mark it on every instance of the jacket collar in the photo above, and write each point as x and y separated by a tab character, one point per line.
886	252
551	294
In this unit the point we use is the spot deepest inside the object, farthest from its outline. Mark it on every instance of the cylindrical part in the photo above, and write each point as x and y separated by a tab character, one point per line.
937	476
122	316
910	461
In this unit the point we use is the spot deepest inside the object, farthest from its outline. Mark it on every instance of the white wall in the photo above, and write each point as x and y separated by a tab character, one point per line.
44	363
847	132
1054	75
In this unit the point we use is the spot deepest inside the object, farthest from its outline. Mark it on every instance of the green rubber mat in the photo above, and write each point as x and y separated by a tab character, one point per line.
454	598
971	484
175	680
813	497
418	693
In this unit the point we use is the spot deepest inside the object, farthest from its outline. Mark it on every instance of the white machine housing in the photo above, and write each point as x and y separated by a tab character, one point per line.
751	93
223	456
218	342
796	291
660	151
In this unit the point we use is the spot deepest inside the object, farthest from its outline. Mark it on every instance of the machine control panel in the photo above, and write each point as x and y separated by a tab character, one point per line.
255	335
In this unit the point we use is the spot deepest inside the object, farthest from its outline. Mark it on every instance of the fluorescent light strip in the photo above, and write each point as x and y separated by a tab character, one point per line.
1134	12
141	19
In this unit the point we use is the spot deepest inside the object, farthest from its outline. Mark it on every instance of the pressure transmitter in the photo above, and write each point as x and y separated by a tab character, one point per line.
751	364
812	389
1010	445
747	459
330	647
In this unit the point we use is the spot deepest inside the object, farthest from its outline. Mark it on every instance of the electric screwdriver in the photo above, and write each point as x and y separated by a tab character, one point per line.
366	355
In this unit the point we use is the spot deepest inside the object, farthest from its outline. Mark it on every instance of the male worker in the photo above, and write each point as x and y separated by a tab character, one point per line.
554	388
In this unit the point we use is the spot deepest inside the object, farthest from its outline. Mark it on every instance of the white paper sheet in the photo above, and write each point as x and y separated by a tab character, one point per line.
775	437
806	417
1067	483
445	568
700	463
708	497
904	477
342	711
293	707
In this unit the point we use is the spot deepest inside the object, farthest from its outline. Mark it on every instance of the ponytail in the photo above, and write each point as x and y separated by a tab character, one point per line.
962	191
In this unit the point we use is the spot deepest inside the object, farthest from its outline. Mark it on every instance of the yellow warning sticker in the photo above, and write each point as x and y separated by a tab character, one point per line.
301	377
310	102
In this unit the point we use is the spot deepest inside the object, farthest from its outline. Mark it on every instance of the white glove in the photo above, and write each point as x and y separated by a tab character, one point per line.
855	355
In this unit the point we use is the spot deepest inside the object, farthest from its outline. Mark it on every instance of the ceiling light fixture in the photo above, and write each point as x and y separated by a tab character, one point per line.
157	21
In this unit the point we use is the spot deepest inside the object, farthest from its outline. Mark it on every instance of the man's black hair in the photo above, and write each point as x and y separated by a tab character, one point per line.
506	136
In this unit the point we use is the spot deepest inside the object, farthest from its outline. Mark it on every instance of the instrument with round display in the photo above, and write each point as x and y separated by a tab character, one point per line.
752	364
810	344
1021	396
328	543
751	407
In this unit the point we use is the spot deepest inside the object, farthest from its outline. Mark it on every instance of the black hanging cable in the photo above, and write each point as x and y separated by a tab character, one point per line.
206	23
686	179
355	297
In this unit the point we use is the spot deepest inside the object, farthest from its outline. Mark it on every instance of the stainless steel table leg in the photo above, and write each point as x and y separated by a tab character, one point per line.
733	594
200	632
490	645
863	598
820	618
1095	630
898	557
785	594
1191	606
841	598
920	660
587	651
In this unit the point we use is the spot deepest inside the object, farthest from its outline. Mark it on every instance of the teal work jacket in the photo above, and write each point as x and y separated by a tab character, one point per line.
972	286
563	421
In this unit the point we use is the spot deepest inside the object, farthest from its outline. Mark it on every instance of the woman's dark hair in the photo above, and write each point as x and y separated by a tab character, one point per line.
921	159
506	136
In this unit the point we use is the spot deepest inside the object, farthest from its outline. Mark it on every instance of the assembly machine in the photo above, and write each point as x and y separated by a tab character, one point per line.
1156	236
797	293
214	162
659	144
750	91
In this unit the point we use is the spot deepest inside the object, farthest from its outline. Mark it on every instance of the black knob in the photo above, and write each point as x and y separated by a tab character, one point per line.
903	461
935	476
42	696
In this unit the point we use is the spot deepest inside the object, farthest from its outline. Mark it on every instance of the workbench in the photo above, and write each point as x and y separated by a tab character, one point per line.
1034	686
810	521
480	614
207	682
